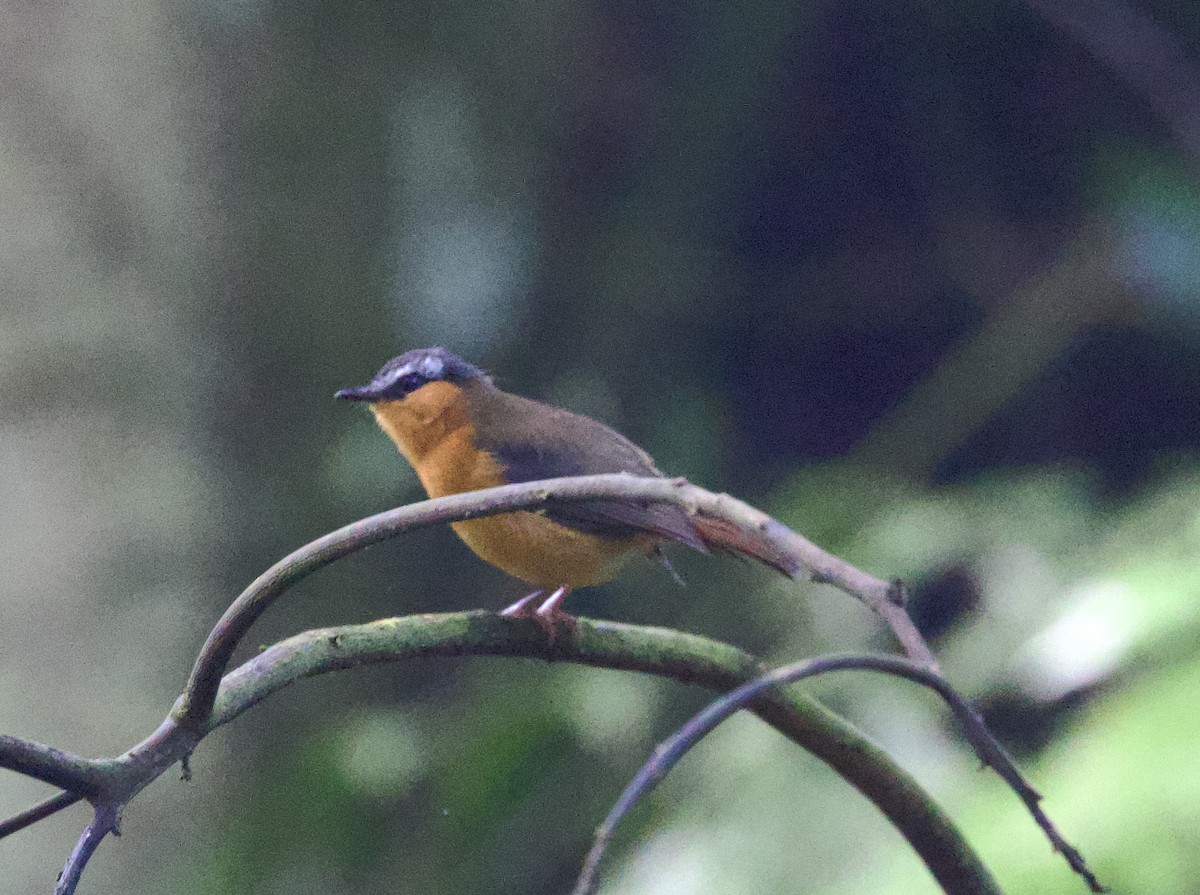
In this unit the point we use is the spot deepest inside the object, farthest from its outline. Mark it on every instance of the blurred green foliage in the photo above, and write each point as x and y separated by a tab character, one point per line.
919	278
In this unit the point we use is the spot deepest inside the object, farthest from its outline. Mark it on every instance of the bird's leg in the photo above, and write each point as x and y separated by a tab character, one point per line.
551	616
522	608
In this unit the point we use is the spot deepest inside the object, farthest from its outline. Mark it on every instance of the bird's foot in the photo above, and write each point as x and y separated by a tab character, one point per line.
552	617
549	615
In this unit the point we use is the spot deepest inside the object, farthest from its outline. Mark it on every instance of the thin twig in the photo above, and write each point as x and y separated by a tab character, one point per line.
233	625
104	821
40	811
670	751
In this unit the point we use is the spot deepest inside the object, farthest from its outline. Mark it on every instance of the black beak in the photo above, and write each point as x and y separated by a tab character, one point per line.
358	393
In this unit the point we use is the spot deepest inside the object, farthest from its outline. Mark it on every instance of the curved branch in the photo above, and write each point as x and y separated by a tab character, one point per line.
683	657
884	597
669	753
110	784
1151	60
672	654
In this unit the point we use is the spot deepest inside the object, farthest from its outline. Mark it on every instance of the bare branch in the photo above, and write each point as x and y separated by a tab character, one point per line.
104	821
669	753
38	812
231	628
1150	59
63	769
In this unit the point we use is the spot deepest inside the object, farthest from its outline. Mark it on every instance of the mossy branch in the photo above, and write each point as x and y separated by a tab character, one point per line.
883	597
213	698
682	657
686	658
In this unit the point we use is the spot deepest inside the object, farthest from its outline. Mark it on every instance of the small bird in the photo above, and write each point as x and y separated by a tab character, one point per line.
462	433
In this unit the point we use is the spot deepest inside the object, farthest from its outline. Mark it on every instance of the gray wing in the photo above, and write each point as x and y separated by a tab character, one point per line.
536	441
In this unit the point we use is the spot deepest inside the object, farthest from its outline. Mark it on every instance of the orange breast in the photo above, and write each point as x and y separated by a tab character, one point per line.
434	432
533	548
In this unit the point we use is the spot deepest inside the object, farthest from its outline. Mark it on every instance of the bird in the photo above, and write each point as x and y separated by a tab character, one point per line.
460	432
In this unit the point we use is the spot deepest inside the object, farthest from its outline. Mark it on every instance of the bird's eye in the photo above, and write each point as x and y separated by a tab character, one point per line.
410	382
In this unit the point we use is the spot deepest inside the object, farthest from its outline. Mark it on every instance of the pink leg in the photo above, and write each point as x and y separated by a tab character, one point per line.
522	608
551	616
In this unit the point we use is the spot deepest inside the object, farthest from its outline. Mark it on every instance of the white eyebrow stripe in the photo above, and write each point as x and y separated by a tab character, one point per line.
431	367
427	367
397	374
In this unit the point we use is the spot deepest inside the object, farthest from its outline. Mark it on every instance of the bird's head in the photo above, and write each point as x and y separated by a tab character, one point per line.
410	371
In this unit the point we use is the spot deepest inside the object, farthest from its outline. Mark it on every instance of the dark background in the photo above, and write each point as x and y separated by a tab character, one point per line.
920	278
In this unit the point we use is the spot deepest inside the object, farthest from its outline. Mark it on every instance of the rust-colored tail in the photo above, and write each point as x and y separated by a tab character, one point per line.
725	537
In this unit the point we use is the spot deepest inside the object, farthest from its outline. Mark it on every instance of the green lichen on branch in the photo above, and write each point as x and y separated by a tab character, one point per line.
686	658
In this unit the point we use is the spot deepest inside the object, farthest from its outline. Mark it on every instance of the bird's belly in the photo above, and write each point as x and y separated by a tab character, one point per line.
524	544
533	548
